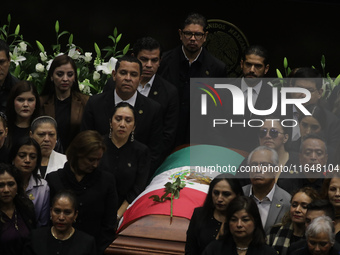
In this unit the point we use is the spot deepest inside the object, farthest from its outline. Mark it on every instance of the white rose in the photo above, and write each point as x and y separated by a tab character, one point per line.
96	76
88	56
39	68
23	47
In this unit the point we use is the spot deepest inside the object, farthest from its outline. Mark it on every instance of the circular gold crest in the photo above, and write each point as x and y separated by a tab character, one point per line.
226	42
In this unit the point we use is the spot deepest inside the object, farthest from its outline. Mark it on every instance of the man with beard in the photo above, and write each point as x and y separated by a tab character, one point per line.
254	65
272	201
189	60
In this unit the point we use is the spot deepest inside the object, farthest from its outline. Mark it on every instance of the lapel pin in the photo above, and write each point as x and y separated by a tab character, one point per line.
278	205
155	93
207	72
129	164
140	112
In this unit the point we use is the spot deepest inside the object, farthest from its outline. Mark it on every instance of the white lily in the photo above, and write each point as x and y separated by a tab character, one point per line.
43	56
107	67
15	57
73	53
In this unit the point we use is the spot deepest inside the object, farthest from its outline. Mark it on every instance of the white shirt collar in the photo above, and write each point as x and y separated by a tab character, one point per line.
147	87
256	88
269	196
131	100
188	58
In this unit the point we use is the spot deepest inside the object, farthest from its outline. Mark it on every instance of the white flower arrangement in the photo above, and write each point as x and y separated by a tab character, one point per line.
93	73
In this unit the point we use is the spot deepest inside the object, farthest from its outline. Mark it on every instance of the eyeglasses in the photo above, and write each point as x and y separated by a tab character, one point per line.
273	133
187	34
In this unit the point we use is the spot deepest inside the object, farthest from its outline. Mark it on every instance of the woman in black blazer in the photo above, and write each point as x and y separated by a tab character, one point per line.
95	189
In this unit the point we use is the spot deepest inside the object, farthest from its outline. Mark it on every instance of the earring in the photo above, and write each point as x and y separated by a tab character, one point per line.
110	134
132	136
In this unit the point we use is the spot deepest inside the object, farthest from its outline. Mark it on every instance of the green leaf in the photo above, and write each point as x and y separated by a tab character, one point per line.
70	40
323	61
118	38
9	18
126	49
278	73
56	27
289	71
40	46
182	185
17	30
155	198
337	80
112	38
115	32
17	71
285	63
63	33
97	49
176	195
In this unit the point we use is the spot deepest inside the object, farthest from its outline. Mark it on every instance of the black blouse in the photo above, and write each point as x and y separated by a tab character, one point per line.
42	242
130	165
200	234
97	202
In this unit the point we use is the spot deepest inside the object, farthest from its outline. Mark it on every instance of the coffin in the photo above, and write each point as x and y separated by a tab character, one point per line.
145	227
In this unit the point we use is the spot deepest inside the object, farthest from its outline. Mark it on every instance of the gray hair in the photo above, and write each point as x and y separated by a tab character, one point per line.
322	224
43	119
275	156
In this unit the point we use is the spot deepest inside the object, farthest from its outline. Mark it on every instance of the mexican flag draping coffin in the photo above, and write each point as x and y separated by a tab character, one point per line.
196	166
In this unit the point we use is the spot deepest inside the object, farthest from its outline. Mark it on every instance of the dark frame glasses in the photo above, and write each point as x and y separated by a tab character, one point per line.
273	133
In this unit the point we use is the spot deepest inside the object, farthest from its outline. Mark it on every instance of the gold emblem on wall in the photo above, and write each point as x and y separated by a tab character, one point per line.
226	42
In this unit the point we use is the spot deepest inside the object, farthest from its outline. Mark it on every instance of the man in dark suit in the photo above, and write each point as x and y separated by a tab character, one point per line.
7	81
98	110
153	86
187	61
272	201
255	66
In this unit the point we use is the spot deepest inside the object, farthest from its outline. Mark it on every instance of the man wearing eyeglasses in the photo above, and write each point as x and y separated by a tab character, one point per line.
272	201
187	61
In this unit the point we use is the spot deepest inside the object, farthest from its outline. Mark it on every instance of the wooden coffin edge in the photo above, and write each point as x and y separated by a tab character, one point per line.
151	234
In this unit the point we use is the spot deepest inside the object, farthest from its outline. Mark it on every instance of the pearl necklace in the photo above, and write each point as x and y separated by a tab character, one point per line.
52	232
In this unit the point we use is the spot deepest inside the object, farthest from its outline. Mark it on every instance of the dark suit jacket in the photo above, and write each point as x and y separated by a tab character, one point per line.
245	137
279	206
164	93
98	112
209	66
175	69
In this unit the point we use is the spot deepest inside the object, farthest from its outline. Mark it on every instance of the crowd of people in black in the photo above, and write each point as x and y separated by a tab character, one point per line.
71	164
